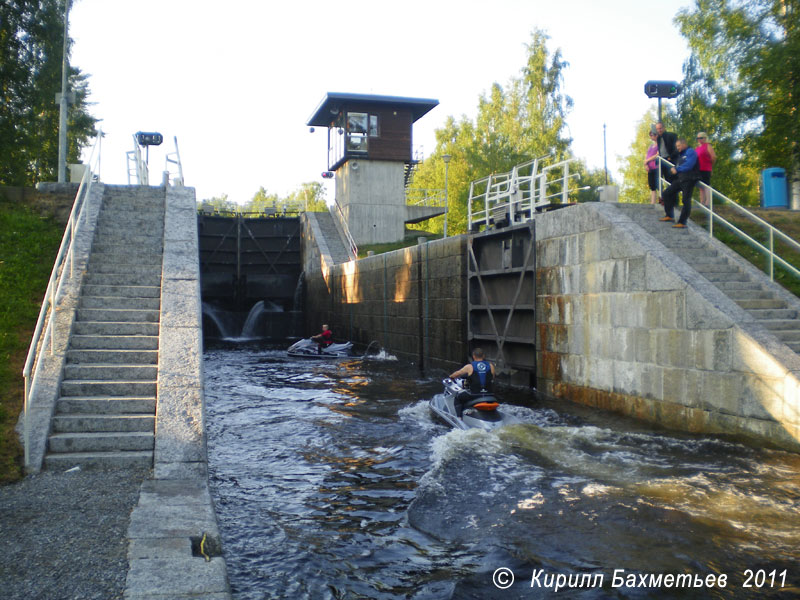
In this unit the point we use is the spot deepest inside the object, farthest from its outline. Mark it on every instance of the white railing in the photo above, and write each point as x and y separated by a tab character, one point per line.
174	158
63	269
424	197
773	233
516	195
136	165
353	248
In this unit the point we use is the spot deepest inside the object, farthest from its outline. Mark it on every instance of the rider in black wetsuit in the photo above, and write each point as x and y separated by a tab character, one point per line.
479	375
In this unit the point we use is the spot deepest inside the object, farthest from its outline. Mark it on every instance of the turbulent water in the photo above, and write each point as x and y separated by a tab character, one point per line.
331	480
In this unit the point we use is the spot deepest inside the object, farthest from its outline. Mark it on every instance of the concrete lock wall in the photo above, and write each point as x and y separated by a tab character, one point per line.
624	326
411	301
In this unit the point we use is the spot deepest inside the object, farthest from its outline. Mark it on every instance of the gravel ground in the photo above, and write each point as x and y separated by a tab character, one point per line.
64	534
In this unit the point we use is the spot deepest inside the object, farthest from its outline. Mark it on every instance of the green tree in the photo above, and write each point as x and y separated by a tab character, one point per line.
31	46
309	196
522	121
744	73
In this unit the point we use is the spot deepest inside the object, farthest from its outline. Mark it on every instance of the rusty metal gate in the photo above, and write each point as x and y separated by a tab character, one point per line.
501	299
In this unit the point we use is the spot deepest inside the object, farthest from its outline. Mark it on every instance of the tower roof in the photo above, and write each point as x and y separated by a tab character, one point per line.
333	101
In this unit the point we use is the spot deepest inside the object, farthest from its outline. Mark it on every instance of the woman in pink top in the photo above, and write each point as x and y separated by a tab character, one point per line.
705	160
652	167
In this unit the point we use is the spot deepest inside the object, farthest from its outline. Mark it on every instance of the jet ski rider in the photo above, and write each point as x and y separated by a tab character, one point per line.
479	375
323	339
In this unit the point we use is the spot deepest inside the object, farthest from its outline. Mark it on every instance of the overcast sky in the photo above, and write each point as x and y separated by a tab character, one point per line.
236	81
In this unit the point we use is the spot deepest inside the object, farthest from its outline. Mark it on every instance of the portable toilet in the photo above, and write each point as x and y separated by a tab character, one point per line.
774	193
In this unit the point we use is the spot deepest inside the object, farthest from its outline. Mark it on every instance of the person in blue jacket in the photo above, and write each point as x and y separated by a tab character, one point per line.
687	172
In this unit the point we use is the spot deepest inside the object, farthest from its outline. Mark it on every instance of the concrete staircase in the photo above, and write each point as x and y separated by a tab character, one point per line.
333	238
105	413
755	294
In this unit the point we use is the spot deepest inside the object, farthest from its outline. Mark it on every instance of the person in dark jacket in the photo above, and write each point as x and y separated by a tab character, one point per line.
667	148
686	173
479	375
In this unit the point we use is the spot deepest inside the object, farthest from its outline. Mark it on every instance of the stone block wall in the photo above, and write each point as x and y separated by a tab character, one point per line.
411	301
624	325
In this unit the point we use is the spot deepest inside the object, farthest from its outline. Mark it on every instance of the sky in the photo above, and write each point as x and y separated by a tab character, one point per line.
236	82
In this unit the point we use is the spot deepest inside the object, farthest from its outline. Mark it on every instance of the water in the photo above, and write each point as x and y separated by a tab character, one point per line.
331	480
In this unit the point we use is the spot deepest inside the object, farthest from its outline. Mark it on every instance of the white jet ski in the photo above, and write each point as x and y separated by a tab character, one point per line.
477	410
308	348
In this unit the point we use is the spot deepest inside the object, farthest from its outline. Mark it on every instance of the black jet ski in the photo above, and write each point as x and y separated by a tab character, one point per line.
308	348
478	411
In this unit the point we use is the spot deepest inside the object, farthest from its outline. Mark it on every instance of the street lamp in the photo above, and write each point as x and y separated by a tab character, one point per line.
446	159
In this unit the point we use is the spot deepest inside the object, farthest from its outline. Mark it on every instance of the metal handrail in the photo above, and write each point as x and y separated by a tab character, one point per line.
425	197
51	296
139	166
174	161
518	193
771	229
353	248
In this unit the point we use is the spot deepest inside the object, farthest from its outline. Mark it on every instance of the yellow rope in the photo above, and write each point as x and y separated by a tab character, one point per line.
202	549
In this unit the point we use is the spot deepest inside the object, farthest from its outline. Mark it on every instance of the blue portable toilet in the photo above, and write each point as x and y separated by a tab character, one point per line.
774	193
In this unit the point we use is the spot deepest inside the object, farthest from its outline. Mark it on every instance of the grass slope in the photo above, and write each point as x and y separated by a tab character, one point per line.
28	246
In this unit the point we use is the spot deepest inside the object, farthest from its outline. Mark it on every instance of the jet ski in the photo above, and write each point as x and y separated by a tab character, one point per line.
308	348
478	411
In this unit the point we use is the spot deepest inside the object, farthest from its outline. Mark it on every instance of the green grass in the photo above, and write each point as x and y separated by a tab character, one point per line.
786	221
28	246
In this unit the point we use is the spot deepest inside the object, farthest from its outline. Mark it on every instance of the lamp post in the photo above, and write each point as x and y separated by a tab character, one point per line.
63	100
446	159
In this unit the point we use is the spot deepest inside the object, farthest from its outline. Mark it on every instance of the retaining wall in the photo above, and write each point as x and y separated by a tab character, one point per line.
411	301
625	325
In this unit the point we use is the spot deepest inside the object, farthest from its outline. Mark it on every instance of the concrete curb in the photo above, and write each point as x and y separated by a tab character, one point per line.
174	546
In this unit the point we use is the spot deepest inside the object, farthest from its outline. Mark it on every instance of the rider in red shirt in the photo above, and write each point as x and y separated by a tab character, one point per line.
325	338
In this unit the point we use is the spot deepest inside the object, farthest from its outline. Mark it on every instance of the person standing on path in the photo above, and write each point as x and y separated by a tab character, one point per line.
686	173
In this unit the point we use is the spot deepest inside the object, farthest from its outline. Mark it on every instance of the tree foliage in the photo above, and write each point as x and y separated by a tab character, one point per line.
521	121
308	197
31	46
742	86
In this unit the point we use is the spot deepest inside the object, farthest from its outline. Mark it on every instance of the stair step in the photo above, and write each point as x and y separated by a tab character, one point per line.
780	324
749	294
112	357
106	405
140	458
116	441
726	286
126	279
115	328
104	388
110	372
103	423
770	314
111	315
125	291
120	303
787	335
761	303
714	267
114	268
113	342
725	277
